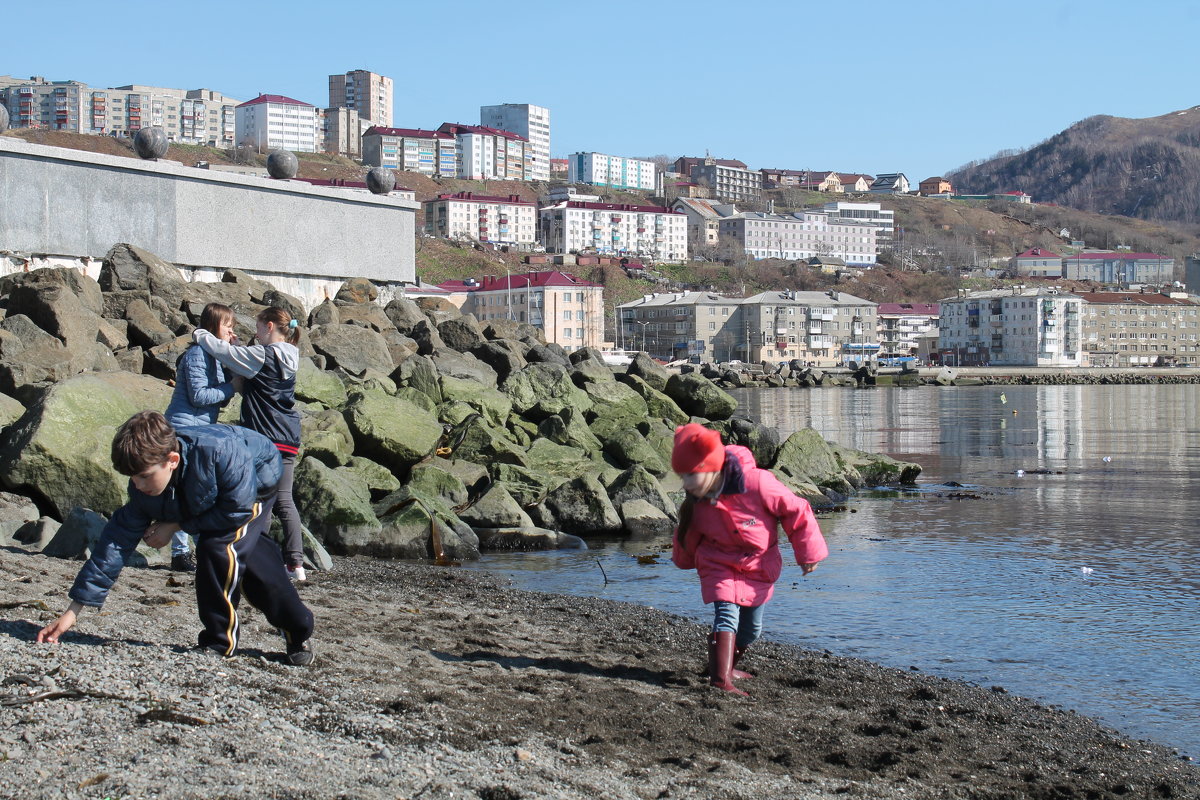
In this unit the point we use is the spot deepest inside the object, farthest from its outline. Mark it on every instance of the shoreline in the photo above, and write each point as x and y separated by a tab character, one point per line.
435	682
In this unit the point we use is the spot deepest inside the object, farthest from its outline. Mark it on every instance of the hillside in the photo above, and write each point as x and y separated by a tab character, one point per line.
1144	168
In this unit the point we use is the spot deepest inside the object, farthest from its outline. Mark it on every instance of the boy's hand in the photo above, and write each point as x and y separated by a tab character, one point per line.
807	568
158	534
55	629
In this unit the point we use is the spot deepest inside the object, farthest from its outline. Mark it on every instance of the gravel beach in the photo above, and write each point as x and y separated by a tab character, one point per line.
434	683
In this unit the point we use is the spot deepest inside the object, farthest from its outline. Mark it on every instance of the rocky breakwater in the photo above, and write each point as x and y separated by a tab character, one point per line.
427	434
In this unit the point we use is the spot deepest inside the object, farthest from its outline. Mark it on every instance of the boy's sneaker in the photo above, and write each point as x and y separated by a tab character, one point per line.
296	573
185	562
300	655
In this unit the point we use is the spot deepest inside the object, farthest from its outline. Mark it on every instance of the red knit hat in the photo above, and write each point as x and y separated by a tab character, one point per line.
697	449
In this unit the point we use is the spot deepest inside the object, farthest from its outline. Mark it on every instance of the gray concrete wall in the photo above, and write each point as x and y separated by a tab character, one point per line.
75	204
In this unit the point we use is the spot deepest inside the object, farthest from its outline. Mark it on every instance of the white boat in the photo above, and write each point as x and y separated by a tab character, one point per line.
617	358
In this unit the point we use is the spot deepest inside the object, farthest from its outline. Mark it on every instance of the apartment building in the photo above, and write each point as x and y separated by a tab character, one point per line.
465	215
411	150
651	232
192	116
873	214
1120	268
528	121
272	121
731	184
342	131
367	93
684	164
818	328
568	310
902	326
1136	329
703	220
675	326
490	153
599	169
801	235
1038	262
1011	327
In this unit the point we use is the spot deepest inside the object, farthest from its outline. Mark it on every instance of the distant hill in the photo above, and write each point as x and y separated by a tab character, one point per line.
1145	168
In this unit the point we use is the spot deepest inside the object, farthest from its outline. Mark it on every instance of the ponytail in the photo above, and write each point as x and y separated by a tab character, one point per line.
283	321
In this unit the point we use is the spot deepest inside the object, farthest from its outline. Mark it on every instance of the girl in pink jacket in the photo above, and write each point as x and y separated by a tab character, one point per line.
728	533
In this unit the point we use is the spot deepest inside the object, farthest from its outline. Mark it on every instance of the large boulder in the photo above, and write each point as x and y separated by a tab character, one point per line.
569	428
378	478
16	511
30	357
658	405
616	403
475	440
505	356
422	527
649	370
127	267
806	459
699	397
643	521
432	479
461	333
540	390
875	469
404	314
336	503
77	535
555	459
391	430
327	437
162	359
637	483
493	404
420	373
542	353
429	341
315	385
628	447
60	449
49	297
364	315
581	506
465	367
761	440
357	290
496	509
11	410
527	486
524	539
146	328
351	348
438	309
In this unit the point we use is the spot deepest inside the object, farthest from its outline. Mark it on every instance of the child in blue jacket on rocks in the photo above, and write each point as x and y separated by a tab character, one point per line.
218	482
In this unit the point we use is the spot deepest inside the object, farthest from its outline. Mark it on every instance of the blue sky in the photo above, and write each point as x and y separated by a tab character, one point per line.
920	86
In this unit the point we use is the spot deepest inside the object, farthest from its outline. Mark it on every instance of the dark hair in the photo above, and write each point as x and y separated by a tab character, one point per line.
283	321
214	315
144	441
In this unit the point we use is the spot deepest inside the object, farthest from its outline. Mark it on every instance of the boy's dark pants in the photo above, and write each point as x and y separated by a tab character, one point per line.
246	561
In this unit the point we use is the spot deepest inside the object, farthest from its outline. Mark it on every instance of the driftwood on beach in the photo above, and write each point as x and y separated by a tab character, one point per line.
423	428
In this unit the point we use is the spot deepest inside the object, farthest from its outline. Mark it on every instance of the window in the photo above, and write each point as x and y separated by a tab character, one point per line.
579	333
567	316
566	297
566	333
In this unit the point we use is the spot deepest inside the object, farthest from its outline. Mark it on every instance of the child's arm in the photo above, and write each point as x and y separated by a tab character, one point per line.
243	360
796	517
200	394
682	556
119	537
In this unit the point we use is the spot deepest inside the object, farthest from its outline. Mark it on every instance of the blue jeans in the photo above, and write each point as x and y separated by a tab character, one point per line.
179	544
745	621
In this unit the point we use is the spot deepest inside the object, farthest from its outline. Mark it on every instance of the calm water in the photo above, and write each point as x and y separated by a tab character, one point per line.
1080	587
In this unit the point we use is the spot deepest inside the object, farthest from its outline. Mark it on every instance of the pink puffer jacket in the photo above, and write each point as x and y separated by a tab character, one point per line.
734	542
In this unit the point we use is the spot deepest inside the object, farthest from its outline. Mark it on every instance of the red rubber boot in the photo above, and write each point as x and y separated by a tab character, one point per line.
720	662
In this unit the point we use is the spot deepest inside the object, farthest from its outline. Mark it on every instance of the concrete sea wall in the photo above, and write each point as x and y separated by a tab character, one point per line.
69	207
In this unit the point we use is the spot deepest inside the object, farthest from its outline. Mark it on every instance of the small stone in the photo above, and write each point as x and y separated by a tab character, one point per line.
523	755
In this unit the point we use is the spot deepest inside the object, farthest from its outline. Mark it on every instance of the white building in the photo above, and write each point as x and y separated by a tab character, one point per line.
499	220
411	150
615	171
883	219
490	154
801	235
903	325
614	228
1011	327
530	121
272	121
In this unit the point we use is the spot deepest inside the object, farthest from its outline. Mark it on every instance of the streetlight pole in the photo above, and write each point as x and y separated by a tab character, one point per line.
644	326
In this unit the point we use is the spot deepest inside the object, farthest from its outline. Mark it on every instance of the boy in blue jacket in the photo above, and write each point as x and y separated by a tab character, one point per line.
217	482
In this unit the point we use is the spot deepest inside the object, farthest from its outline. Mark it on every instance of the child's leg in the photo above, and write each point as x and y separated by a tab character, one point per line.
725	617
749	625
285	509
179	544
220	565
268	587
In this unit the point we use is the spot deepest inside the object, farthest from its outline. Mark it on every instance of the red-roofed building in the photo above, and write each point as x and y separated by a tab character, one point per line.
568	310
1016	197
482	218
559	168
1120	268
490	154
1123	329
411	150
652	232
272	121
935	186
1038	263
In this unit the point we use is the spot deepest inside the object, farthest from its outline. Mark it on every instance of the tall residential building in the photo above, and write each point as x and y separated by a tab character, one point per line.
801	235
411	150
490	154
529	121
614	228
1011	327
682	325
272	121
730	184
466	215
1130	329
598	169
903	325
568	310
365	92
343	131
192	116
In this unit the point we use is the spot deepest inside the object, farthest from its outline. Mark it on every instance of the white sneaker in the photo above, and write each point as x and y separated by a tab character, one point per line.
297	574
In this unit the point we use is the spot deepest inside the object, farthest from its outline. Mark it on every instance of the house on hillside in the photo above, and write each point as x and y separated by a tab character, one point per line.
855	182
703	219
1038	263
1016	197
683	165
890	183
935	186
